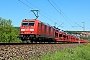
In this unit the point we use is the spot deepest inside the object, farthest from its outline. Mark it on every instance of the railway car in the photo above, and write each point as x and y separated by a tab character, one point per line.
37	31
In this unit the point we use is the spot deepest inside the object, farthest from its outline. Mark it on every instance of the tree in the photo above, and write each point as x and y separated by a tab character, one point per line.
7	32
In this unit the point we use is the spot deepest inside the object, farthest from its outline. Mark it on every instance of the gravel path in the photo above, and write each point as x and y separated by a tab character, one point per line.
28	51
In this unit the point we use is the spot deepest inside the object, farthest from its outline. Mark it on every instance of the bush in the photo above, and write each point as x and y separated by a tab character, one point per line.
7	32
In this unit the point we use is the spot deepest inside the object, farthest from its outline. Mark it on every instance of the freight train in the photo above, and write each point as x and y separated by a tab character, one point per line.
37	31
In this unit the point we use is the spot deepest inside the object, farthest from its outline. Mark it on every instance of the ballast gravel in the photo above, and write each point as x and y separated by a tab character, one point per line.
30	51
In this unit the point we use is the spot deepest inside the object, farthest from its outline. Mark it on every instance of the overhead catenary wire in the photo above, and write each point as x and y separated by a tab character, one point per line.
59	12
40	10
32	8
25	4
65	15
59	9
56	9
53	6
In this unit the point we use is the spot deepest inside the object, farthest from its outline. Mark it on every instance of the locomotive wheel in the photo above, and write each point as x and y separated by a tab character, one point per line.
28	41
31	41
24	41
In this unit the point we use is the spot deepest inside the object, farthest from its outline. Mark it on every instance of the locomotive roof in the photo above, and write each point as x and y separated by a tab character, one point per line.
29	19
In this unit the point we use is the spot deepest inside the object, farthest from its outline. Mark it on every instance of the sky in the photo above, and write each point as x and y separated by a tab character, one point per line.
66	13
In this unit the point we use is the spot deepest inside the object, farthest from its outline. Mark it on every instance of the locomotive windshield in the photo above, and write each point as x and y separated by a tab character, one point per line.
28	24
31	23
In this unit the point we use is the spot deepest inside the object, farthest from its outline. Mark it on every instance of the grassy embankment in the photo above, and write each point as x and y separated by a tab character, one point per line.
78	53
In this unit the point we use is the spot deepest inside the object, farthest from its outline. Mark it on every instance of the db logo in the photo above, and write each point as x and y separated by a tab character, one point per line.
27	29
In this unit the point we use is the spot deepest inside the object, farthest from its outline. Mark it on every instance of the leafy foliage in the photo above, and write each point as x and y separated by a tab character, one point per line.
7	32
17	28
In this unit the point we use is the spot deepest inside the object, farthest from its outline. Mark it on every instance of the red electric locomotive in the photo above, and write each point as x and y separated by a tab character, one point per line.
35	30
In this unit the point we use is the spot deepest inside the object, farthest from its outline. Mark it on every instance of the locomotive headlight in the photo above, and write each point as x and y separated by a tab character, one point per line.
31	29
22	29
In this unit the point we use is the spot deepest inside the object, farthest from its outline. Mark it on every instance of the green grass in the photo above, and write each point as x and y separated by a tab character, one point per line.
78	53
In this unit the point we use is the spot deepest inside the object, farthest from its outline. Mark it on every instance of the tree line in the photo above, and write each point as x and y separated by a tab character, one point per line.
7	32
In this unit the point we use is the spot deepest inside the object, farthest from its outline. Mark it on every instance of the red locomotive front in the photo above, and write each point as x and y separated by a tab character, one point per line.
28	29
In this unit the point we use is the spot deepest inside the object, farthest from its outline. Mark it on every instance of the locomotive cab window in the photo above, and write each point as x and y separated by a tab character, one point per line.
25	24
31	23
28	24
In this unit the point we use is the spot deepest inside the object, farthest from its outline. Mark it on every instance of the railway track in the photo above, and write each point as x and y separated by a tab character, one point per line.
36	43
10	51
